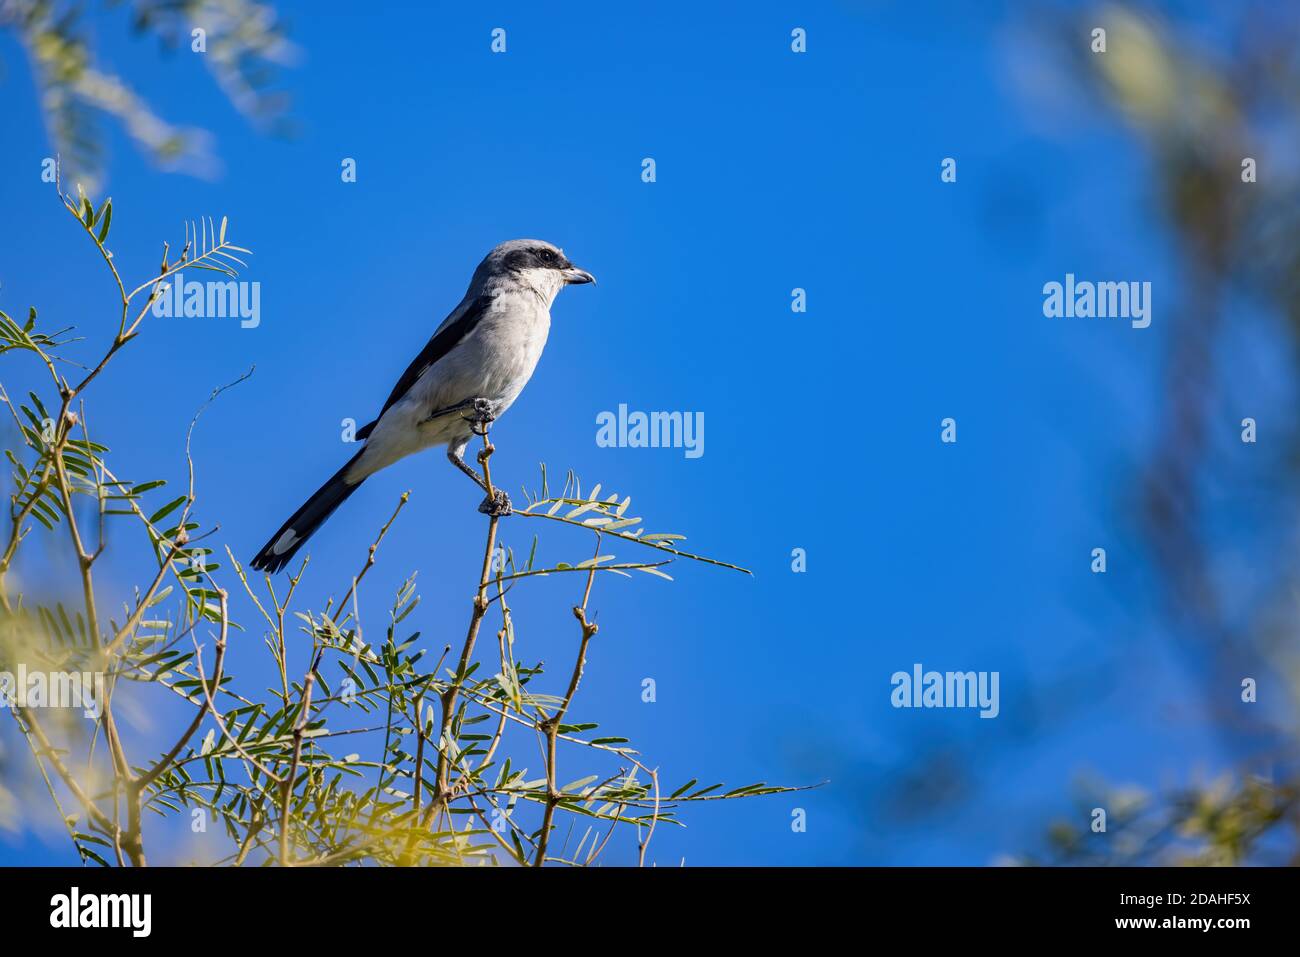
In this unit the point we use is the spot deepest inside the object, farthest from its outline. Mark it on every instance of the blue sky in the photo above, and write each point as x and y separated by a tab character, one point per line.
774	171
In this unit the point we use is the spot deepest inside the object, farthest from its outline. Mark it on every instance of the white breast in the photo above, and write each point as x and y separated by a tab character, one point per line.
494	362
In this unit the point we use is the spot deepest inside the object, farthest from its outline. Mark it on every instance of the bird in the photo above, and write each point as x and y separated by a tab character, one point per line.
471	371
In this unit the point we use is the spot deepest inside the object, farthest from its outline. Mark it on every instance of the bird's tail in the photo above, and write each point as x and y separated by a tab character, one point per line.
285	543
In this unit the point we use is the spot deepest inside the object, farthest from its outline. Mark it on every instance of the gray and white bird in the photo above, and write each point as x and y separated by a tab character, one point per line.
473	368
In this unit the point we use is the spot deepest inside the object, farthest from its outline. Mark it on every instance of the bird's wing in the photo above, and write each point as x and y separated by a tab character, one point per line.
448	335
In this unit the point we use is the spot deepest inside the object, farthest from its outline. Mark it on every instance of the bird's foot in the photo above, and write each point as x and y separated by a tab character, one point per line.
496	505
480	415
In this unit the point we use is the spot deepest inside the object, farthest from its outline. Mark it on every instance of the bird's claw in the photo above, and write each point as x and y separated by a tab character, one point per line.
496	505
481	415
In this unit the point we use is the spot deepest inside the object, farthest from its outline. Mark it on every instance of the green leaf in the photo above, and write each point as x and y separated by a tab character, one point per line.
87	852
684	788
105	211
166	510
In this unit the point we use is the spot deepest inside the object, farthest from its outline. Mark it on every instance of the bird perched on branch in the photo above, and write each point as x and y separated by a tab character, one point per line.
473	368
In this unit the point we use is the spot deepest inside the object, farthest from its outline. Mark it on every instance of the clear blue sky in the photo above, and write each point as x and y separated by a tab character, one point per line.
775	171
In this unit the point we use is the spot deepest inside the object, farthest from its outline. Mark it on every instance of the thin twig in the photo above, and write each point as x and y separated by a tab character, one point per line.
551	726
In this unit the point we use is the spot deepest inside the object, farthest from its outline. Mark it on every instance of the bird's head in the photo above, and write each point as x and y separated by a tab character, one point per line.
535	263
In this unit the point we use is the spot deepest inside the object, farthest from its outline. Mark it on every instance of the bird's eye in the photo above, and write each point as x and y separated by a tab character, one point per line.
547	256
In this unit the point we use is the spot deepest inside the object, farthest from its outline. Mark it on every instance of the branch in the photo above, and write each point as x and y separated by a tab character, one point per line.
449	697
148	777
286	793
551	726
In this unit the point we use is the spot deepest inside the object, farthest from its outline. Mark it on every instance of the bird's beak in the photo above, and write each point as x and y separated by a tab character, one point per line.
573	276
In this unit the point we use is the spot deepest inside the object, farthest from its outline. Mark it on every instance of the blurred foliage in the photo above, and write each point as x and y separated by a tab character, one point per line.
1198	89
1225	822
1204	92
244	44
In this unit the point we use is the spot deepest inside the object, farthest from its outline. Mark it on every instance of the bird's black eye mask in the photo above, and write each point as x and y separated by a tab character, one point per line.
540	258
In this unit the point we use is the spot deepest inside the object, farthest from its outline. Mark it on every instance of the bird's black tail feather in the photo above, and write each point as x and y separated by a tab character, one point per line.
285	543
